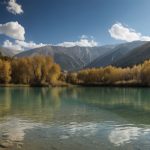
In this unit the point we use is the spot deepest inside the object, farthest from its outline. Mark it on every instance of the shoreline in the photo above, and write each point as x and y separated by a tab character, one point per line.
137	85
14	85
36	85
115	85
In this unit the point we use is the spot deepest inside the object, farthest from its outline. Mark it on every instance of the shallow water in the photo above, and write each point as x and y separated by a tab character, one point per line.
75	118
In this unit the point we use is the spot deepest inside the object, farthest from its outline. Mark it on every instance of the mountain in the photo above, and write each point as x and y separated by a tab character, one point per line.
7	52
116	54
76	58
69	58
136	56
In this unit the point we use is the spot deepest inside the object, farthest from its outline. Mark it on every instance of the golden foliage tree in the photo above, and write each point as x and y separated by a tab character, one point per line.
5	71
34	70
54	73
21	71
145	73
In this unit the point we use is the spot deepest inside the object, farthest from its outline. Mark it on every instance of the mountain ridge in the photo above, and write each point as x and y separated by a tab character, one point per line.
118	52
135	57
69	58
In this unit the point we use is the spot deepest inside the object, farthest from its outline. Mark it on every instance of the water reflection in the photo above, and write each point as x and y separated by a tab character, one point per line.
126	134
32	103
79	129
123	135
12	131
102	115
49	100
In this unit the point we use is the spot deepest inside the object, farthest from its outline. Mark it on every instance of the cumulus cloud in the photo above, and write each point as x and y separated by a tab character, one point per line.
29	45
21	45
14	8
10	45
84	36
121	32
83	42
13	30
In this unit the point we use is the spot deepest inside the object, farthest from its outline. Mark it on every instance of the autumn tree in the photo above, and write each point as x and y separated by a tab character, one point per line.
21	71
5	71
34	70
72	78
54	73
145	73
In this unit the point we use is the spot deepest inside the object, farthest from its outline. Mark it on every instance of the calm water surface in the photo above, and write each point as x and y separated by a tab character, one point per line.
75	118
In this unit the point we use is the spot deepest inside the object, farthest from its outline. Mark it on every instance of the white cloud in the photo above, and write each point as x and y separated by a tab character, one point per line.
83	42
14	8
84	36
21	45
29	45
121	32
13	30
10	45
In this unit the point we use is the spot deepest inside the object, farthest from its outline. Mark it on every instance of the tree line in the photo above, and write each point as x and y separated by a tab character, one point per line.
110	75
29	70
41	70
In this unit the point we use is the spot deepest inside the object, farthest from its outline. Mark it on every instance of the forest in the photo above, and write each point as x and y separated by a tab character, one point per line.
41	70
138	75
37	70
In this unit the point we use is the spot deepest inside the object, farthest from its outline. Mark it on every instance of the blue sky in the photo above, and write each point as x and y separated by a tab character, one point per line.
59	21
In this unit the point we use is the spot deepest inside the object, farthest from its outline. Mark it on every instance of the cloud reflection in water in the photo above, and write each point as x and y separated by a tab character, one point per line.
123	135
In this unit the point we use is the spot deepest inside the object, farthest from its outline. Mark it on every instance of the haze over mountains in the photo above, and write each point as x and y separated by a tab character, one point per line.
136	56
75	58
116	54
8	52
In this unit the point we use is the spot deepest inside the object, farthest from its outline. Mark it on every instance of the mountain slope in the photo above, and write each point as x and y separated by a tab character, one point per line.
136	56
69	58
117	53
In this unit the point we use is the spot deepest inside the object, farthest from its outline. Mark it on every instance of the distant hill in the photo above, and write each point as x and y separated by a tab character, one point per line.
69	58
116	54
136	56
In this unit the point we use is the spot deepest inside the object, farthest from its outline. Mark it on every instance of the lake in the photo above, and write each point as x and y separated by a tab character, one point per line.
76	118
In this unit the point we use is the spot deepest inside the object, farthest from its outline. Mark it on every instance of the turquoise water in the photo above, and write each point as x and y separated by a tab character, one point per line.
75	118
